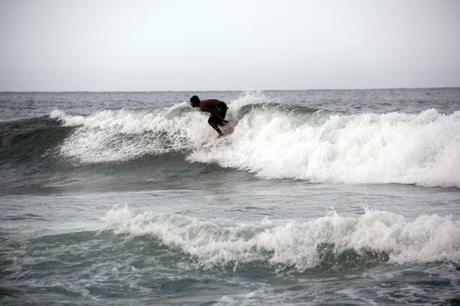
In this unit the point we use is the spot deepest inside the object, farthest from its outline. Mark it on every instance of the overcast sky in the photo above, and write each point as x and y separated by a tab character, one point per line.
56	45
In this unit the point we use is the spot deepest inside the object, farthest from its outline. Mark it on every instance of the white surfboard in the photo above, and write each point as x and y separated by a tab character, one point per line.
226	129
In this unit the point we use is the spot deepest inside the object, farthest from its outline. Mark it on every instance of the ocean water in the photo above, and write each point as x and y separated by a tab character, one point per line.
318	197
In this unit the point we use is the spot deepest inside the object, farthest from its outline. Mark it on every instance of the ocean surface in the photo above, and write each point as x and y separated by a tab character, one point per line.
346	197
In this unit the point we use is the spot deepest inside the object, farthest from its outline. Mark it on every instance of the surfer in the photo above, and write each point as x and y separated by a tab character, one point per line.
217	108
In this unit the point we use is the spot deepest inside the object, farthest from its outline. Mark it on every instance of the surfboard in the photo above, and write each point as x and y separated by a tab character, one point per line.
213	142
226	129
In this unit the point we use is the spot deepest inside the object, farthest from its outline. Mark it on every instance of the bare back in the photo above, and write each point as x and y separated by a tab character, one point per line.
206	105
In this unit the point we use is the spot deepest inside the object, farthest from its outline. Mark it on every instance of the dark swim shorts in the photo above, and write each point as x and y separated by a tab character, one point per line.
220	108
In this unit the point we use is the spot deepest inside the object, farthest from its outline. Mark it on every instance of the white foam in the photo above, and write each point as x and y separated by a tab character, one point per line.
115	135
421	149
126	134
424	239
248	97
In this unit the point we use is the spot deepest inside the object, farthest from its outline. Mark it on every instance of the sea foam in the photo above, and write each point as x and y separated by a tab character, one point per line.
421	149
118	135
273	141
296	243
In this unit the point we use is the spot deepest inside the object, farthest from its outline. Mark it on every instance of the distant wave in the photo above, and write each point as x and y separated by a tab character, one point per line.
281	141
332	241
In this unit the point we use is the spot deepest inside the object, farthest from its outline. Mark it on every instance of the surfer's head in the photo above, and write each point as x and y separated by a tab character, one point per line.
195	101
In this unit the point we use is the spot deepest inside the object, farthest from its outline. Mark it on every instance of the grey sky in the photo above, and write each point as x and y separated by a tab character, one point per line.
218	45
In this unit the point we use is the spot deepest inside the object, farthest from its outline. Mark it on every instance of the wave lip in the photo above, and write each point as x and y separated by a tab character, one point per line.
298	244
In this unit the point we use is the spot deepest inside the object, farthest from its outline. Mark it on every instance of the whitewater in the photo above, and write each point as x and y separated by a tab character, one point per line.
298	244
317	197
274	141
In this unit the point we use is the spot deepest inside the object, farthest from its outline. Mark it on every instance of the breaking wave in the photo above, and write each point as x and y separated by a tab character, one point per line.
376	236
274	140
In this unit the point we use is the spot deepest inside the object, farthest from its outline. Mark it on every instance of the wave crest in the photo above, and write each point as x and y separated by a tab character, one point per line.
281	141
299	244
422	149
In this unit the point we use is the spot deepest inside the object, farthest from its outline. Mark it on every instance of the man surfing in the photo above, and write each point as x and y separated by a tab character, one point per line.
218	110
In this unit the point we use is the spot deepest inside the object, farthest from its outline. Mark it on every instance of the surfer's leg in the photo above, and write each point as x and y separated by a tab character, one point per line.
213	123
222	110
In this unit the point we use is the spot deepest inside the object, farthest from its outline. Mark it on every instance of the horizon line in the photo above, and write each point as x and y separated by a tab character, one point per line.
224	90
